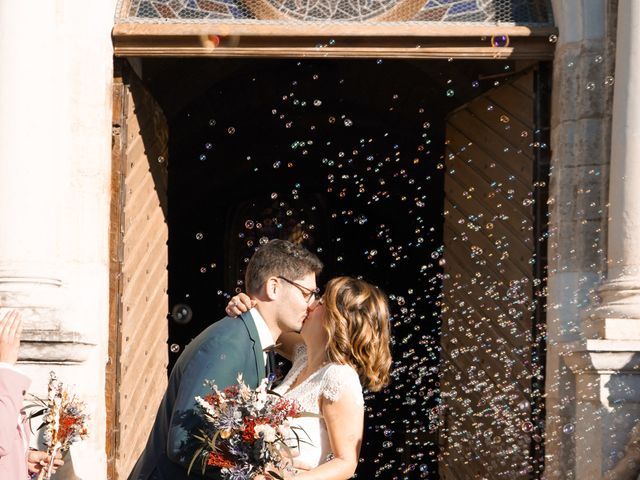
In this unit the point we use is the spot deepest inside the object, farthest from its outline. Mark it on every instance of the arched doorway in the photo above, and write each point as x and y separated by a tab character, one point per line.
243	153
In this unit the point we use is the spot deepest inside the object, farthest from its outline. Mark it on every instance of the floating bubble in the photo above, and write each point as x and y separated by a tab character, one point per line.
500	41
450	93
208	146
332	119
160	159
608	81
475	84
598	59
202	157
553	38
175	348
274	195
199	236
181	313
317	103
231	130
348	122
263	240
249	224
277	164
504	119
212	122
591	86
568	428
526	426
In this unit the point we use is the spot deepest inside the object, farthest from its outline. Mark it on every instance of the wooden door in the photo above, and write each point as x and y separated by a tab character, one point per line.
137	373
488	362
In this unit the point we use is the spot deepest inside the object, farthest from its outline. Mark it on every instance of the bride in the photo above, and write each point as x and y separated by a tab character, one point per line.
343	347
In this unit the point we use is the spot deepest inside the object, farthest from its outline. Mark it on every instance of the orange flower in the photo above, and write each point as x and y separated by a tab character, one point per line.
217	460
249	433
66	426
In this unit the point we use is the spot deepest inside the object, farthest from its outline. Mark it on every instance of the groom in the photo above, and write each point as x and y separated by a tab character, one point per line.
282	277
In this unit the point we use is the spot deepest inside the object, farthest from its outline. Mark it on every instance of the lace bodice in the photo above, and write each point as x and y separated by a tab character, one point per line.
330	381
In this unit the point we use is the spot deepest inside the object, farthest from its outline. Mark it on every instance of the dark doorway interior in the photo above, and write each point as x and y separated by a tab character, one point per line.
344	156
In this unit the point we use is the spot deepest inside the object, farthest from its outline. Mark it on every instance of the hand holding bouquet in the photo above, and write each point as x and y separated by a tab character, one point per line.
65	421
244	430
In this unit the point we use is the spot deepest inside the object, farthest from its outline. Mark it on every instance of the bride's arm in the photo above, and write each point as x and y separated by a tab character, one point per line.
287	342
344	419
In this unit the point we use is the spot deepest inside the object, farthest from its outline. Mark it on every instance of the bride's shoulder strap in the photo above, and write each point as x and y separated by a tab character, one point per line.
339	379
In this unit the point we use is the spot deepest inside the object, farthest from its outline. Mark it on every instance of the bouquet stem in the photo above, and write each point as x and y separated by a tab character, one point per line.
46	472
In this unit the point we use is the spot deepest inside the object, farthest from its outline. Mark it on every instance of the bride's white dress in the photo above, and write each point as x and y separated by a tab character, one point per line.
330	381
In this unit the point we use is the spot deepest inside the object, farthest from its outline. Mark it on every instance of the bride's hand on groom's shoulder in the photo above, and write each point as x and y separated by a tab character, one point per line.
239	304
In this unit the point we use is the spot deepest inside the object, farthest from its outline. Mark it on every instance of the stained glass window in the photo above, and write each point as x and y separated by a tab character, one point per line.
509	12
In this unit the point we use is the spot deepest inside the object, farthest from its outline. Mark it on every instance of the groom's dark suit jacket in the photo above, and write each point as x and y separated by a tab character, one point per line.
226	348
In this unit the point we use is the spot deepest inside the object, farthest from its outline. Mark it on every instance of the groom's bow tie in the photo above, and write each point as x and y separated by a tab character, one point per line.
271	359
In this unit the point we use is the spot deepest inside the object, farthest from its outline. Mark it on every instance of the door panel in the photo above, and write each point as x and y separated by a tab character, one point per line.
487	311
139	272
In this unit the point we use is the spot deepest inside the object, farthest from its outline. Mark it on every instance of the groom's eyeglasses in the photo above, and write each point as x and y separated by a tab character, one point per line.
307	293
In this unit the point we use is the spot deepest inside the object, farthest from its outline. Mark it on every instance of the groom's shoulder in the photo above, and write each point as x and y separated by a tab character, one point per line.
223	333
226	328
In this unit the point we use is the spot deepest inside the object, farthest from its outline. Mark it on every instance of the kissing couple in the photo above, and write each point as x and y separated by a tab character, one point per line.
338	343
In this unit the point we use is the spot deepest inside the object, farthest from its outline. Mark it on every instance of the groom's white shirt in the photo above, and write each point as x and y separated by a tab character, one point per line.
266	339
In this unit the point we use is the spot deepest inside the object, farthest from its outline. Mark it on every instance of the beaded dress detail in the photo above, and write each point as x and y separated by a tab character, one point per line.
330	381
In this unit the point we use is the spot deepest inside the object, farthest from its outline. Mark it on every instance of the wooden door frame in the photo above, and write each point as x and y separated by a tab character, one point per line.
338	41
390	35
116	229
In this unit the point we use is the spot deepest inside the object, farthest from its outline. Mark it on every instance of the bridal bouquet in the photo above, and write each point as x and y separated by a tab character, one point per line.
244	430
65	420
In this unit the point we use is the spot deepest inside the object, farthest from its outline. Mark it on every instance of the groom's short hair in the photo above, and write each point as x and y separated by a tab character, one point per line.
279	258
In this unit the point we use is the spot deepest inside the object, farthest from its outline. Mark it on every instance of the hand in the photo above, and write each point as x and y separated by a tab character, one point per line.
239	304
270	468
37	460
10	331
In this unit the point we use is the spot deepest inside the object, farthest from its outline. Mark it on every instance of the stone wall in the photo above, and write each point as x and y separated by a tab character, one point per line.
55	161
583	85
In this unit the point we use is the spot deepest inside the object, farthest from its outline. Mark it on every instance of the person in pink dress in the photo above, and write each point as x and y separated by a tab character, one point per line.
17	461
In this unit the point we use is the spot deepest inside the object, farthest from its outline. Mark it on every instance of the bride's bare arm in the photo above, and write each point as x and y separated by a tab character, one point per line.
287	342
344	419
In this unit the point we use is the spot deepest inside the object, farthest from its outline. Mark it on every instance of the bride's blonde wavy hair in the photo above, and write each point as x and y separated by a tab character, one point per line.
357	325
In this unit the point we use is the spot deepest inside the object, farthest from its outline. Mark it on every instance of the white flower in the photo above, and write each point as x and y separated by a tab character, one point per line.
261	395
243	391
207	407
267	431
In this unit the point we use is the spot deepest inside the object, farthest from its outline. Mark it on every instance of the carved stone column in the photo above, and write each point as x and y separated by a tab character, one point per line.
618	316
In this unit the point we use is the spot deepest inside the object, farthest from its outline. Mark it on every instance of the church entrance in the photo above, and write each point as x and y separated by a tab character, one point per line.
425	177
